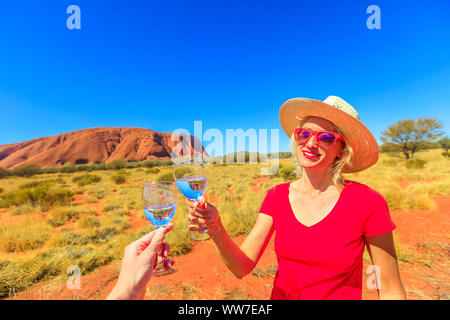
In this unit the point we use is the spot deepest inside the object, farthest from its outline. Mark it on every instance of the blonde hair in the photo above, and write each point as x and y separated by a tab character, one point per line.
338	164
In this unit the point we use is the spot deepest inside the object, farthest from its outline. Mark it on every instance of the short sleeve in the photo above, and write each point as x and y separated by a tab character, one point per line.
379	220
267	207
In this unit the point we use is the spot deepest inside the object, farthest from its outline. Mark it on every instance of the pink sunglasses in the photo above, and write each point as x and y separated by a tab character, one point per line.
325	139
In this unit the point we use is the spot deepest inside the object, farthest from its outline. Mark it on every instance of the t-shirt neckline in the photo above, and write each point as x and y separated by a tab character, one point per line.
333	210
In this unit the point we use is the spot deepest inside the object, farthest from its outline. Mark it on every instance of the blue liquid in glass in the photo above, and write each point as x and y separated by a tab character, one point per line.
160	214
192	188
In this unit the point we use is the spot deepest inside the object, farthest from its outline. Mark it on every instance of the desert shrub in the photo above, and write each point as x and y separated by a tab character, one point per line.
151	163
166	177
61	216
236	220
26	170
422	202
120	212
390	162
120	177
152	170
36	183
415	163
23	209
88	222
394	196
3	173
445	154
23	237
68	168
1	190
86	179
117	164
91	199
99	194
112	203
288	173
45	195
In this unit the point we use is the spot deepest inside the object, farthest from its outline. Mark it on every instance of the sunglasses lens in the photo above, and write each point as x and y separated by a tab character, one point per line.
326	139
302	135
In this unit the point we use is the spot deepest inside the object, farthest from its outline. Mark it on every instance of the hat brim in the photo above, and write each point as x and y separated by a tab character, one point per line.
363	143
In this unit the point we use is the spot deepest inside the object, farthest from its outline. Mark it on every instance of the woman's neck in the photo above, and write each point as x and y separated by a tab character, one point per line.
315	183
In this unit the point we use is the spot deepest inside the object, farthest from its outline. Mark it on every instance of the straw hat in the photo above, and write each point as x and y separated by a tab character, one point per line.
344	116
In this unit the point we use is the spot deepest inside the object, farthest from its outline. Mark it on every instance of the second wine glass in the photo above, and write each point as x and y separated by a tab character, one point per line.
190	178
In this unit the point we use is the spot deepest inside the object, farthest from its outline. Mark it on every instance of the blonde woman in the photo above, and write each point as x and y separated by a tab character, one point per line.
321	221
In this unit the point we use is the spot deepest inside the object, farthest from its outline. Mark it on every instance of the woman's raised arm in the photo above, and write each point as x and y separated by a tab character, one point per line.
240	260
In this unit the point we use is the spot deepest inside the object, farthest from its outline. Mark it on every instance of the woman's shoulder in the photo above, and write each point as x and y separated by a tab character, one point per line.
364	191
282	187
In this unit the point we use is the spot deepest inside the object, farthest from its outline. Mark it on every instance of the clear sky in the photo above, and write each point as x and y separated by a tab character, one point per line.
231	64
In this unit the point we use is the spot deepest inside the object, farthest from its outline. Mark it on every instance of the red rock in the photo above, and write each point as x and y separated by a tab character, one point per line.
94	145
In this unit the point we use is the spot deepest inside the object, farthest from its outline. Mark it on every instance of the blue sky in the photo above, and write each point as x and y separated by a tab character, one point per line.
231	64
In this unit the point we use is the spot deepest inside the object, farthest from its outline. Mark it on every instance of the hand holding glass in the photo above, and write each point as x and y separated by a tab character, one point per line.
160	203
190	178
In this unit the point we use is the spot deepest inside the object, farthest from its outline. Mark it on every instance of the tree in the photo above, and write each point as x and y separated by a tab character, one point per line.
445	143
411	136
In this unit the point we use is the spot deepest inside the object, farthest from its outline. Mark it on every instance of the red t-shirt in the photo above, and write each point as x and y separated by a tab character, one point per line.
325	260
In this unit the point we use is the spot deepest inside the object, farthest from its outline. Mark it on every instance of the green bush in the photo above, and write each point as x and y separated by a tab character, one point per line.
415	163
288	173
166	177
117	164
89	222
33	184
3	173
23	209
390	162
26	170
120	177
86	179
151	163
61	216
44	195
152	170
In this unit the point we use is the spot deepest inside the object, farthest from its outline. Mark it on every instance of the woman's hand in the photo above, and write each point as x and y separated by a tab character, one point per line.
202	215
139	261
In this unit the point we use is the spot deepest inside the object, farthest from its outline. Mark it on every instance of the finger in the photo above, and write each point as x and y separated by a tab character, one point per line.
195	227
191	203
168	263
165	250
140	244
202	204
199	221
202	212
156	242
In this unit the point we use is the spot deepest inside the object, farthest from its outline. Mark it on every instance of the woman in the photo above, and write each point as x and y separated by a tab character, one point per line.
321	221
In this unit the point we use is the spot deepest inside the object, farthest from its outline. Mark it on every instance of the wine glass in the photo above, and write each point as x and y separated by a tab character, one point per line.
190	178
160	203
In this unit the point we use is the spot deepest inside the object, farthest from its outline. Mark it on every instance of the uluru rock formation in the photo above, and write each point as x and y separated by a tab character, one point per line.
96	145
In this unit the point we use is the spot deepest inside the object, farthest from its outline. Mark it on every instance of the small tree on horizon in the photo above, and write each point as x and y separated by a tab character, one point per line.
445	143
411	136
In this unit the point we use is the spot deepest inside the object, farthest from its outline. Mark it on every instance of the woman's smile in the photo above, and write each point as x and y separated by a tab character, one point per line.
310	155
